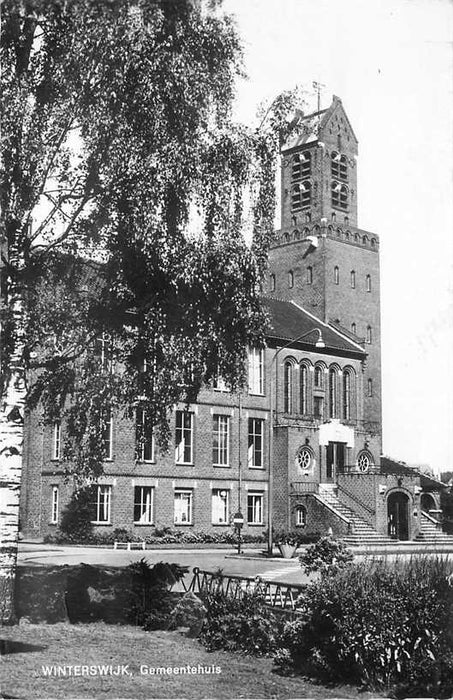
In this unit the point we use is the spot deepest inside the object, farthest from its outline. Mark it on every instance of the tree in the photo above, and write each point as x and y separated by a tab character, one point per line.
125	193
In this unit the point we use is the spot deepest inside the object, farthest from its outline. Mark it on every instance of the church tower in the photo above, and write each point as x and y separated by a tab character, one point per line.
321	259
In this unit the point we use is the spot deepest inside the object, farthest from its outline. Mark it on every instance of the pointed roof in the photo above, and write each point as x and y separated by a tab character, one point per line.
311	126
289	321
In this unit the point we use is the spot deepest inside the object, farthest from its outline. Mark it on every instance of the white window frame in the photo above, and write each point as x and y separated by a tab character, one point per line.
103	505
255	502
256	371
107	437
301	516
220	506
219	383
140	418
182	496
145	503
220	440
185	439
56	440
55	504
253	436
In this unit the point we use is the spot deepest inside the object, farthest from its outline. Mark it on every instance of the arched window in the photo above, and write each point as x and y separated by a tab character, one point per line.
333	393
287	386
309	275
336	275
301	195
305	460
373	242
369	335
303	389
353	328
339	166
347	235
334	216
301	516
301	166
319	373
290	279
353	279
370	387
339	195
272	283
347	390
368	283
365	240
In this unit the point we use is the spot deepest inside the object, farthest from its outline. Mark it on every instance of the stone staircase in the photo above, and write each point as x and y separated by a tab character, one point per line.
431	531
362	533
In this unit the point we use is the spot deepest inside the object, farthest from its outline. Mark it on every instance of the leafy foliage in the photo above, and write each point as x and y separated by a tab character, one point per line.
159	536
327	555
246	624
120	150
376	624
77	516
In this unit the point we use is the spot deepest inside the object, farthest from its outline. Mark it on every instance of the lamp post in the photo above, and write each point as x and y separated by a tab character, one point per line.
318	344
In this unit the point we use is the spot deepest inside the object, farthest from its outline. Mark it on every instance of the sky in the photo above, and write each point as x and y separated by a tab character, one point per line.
391	63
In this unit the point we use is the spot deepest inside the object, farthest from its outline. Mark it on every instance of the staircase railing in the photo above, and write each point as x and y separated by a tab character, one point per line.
365	512
435	522
341	516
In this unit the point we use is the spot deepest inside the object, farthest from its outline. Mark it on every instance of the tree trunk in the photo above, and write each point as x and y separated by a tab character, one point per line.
11	444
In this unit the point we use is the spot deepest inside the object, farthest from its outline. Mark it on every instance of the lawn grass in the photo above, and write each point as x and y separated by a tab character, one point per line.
21	674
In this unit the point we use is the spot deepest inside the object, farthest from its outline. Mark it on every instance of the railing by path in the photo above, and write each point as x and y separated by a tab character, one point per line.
278	595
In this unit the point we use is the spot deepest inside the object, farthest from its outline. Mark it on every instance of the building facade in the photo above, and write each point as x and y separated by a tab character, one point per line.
300	447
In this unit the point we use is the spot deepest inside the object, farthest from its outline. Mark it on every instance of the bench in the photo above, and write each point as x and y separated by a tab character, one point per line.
129	545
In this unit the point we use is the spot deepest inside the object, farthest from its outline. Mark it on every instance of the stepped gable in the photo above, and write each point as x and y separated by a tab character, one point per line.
288	321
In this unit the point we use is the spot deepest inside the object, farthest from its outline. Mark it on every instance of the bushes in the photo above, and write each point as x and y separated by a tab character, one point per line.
244	625
327	555
160	536
376	624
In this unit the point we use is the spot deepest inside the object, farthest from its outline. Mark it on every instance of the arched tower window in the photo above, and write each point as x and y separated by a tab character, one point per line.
368	283
290	279
303	389
369	335
287	386
339	195
370	387
336	275
347	394
272	282
339	166
354	328
353	279
309	275
333	380
319	374
301	195
301	166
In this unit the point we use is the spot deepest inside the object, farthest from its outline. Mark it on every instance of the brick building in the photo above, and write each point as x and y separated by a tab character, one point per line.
301	446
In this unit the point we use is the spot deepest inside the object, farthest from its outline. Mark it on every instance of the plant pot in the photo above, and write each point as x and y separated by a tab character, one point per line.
287	551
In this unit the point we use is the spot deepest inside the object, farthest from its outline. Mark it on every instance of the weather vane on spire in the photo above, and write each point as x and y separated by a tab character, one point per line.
318	87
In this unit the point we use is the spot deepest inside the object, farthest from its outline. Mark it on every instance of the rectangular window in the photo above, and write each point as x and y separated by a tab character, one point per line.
56	441
255	443
256	371
143	505
102	504
318	406
184	437
219	383
220	506
144	437
220	441
55	505
255	508
107	435
183	507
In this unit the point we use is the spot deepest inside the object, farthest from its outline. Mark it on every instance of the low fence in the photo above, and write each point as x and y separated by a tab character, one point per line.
277	595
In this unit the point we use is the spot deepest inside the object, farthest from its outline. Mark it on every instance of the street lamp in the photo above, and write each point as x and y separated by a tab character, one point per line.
318	344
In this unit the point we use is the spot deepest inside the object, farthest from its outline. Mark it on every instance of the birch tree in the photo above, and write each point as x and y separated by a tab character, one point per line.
125	193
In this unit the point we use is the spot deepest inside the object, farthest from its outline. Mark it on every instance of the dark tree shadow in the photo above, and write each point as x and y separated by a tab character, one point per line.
9	646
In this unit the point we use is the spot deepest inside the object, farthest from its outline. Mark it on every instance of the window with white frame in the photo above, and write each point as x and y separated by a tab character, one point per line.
256	371
333	378
55	505
183	506
301	516
143	505
219	383
255	502
56	440
220	506
102	503
220	440
144	437
255	452
107	435
184	437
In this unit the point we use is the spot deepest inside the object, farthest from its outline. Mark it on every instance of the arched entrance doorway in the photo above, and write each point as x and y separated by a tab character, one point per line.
398	515
427	502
